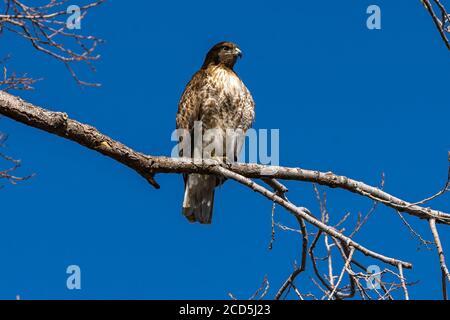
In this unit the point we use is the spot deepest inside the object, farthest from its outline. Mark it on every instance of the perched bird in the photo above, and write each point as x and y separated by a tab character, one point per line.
217	98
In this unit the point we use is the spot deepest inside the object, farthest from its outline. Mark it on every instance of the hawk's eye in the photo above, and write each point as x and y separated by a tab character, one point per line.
226	48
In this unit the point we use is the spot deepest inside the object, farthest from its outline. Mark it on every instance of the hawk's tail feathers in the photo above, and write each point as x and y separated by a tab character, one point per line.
198	200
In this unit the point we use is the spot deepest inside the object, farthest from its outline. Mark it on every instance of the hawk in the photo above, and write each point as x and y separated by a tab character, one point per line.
218	99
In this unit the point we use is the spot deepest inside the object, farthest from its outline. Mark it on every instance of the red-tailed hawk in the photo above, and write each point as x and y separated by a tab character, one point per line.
218	99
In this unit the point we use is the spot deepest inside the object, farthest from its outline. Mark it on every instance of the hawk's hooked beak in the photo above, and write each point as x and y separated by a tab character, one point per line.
238	52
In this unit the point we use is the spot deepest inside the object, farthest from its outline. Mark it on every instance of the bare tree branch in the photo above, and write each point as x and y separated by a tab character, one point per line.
440	250
444	190
403	281
442	24
47	28
11	81
7	174
413	232
303	213
147	166
60	124
344	270
297	270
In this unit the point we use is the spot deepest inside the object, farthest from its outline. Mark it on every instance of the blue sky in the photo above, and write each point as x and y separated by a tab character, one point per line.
346	99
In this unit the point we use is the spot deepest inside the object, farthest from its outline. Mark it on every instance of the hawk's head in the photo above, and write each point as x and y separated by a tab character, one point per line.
225	53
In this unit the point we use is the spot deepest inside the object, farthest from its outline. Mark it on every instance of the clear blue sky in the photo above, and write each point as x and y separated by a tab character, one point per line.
346	99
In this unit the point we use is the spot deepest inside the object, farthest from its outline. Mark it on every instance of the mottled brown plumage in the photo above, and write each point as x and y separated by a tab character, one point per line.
218	98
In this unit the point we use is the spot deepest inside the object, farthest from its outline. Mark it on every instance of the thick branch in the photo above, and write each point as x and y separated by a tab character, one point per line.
59	123
303	213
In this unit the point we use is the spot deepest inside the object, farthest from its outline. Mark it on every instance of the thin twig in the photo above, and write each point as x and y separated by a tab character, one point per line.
297	271
438	23
306	215
414	233
344	270
403	282
440	250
